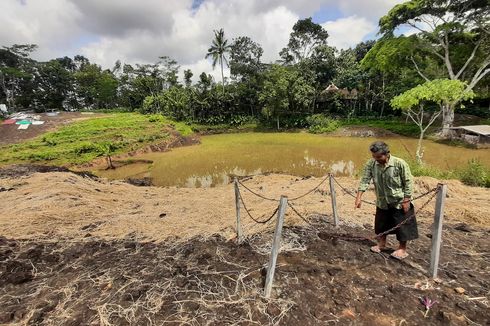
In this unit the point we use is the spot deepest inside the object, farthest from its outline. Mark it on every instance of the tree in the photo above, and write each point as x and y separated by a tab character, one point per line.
188	78
303	40
16	71
453	32
444	92
245	58
54	82
285	90
217	51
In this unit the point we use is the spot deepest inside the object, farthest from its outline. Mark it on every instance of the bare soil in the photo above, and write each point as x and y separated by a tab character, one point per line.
9	134
77	250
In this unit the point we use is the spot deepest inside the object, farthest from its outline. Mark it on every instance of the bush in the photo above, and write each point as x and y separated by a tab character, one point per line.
475	174
320	123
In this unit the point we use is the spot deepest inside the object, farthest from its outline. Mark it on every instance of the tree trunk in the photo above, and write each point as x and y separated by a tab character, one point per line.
222	75
447	120
419	153
109	162
277	120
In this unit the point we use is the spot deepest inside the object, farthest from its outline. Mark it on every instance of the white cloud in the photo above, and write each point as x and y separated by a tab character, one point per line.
141	31
370	9
48	23
347	32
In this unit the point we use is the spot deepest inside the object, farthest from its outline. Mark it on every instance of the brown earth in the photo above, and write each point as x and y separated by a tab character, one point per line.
362	131
85	251
9	134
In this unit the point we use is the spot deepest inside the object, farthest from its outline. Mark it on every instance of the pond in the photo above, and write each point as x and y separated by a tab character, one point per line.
219	156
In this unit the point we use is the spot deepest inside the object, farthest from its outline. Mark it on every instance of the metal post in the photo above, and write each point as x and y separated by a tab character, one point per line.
237	204
334	200
437	230
276	246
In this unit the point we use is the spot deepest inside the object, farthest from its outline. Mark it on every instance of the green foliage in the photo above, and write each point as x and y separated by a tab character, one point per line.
475	174
320	123
285	91
173	102
85	140
440	91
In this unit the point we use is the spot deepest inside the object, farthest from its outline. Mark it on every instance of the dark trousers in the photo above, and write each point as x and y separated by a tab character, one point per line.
388	218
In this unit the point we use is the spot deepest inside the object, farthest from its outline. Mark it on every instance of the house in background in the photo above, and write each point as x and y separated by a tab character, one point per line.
478	136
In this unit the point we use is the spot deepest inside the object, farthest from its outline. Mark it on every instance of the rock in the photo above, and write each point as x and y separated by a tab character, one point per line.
459	290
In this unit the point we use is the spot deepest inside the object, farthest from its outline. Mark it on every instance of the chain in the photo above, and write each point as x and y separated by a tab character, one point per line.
253	192
350	193
298	213
379	235
408	218
250	215
309	192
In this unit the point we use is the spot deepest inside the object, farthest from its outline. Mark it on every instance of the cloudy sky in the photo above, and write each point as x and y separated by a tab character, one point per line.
142	30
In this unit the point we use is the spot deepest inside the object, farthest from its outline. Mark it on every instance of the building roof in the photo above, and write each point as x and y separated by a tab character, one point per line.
480	129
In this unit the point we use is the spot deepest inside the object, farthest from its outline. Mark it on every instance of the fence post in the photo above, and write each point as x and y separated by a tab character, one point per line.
334	200
276	246
237	205
437	229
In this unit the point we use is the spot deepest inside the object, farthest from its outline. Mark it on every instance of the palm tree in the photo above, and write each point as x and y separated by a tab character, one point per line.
217	51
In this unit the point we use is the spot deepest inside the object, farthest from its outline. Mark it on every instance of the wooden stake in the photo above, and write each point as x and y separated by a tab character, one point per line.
276	246
237	205
334	200
437	230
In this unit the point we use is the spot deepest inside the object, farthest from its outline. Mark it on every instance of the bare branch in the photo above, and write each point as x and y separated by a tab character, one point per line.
418	70
468	61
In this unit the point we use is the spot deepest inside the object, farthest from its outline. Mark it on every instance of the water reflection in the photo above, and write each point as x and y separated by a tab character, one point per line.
220	157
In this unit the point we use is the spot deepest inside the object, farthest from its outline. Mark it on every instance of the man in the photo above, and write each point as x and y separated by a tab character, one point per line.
393	185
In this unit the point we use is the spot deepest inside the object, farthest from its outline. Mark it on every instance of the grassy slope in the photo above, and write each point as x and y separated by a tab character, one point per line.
80	141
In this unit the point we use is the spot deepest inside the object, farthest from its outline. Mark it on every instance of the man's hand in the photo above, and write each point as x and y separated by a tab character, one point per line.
358	203
406	204
358	200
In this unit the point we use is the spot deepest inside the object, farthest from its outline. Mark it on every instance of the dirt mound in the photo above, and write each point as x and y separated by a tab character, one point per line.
61	204
320	279
362	131
20	170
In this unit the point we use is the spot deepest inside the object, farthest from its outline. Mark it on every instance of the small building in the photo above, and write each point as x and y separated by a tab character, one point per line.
474	135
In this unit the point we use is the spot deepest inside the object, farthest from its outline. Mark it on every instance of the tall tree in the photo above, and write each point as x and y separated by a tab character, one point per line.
303	40
16	72
285	91
245	58
455	33
217	51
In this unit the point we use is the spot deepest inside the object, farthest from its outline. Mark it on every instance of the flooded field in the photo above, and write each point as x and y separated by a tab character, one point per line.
220	156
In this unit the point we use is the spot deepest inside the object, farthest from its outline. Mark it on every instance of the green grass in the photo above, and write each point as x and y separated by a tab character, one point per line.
83	141
474	173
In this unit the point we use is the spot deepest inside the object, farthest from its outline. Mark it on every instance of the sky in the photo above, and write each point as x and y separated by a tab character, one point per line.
139	31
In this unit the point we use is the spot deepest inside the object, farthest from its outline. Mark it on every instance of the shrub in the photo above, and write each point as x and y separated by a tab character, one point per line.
475	174
320	123
85	147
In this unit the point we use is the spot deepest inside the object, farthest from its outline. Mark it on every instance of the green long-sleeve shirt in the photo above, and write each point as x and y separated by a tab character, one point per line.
392	182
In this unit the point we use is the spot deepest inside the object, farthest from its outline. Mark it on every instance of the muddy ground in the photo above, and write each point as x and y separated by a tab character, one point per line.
78	250
9	134
320	280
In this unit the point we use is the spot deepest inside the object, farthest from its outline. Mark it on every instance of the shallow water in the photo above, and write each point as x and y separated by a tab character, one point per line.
219	156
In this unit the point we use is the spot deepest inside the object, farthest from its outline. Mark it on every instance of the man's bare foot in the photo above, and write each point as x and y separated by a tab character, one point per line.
399	254
377	249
